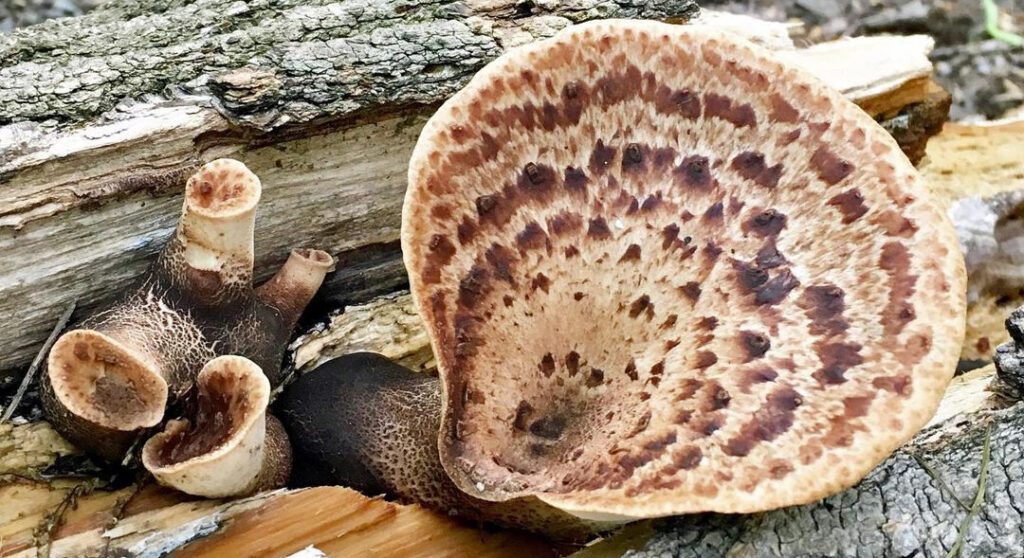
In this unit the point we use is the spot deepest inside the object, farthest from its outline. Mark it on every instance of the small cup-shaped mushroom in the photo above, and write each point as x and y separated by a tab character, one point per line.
663	272
114	375
232	447
365	422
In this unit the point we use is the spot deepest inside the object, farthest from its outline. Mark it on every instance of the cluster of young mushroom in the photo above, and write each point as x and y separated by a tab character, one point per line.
194	325
661	272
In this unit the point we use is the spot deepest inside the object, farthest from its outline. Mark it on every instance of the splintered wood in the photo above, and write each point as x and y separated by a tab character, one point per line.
336	521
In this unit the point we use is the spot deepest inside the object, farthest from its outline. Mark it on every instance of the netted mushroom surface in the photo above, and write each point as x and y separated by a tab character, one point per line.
663	273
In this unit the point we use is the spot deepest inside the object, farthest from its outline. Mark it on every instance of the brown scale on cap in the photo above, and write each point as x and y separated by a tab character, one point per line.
656	175
113	376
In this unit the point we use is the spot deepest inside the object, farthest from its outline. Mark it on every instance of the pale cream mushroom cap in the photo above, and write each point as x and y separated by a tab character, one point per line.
663	272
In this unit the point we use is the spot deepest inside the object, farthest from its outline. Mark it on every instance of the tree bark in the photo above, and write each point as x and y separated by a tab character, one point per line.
101	118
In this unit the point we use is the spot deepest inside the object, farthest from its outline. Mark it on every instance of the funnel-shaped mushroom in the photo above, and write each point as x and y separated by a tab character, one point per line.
233	447
663	272
113	376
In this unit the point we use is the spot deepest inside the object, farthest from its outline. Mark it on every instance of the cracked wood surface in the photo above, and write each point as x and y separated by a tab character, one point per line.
85	204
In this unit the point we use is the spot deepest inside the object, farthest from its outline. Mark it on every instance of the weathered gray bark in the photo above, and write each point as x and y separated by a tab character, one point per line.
302	59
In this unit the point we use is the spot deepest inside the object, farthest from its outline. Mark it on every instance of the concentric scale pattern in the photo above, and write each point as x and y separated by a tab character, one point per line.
664	273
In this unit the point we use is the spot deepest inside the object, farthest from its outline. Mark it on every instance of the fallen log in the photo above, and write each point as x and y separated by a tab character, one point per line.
97	135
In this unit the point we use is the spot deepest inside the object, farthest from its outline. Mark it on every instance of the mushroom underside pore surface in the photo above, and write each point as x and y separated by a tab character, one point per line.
114	376
663	272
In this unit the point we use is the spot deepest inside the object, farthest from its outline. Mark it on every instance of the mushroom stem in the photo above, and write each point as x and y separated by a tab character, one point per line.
233	448
211	253
363	421
102	390
294	285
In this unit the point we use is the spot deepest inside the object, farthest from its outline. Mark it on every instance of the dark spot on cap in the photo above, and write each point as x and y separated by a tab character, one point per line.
751	166
537	181
720	106
441	252
707	425
899	385
639	306
754	344
707	323
595	377
782	111
523	412
575	179
547	365
474	287
564	223
714	212
601	158
694	172
669	235
651	203
577	296
691	291
824	305
682	102
759	375
769	257
598	229
632	253
776	288
630	370
750	277
705	359
836	359
572	363
541	282
830	167
687	458
502	262
658	369
768	222
532	237
633	158
851	204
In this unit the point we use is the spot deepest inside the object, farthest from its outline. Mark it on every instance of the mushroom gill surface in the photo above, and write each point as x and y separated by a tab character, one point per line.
114	375
663	272
233	447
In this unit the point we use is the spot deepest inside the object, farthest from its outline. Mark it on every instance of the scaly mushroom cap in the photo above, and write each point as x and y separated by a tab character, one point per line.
233	447
663	272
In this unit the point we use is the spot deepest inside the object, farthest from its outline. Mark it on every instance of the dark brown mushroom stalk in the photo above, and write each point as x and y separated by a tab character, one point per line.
114	375
233	447
663	272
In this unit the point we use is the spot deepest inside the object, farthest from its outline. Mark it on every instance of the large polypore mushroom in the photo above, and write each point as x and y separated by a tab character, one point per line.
113	377
663	272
